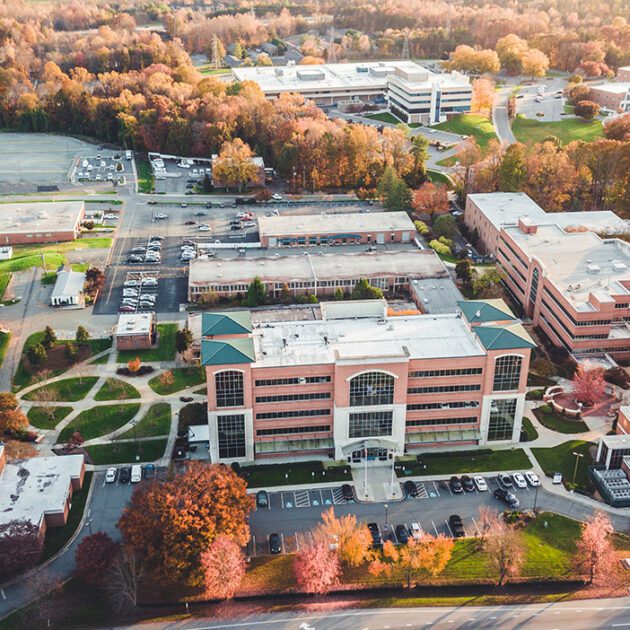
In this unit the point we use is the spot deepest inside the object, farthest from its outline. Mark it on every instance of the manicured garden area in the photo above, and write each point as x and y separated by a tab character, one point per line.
476	125
115	389
125	452
460	462
557	422
385	117
529	429
145	176
47	417
98	421
66	390
175	380
439	178
156	421
263	475
561	459
165	350
567	130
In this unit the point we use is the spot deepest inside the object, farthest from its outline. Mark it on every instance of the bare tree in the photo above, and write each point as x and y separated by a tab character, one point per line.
46	610
124	579
504	548
486	520
45	398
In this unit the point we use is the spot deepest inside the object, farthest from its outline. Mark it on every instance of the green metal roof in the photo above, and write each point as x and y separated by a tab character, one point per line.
229	352
234	323
480	311
504	337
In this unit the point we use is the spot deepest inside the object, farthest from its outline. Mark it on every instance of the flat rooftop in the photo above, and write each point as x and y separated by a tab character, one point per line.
309	224
330	341
579	263
336	76
436	295
134	324
503	209
613	88
54	216
408	263
31	488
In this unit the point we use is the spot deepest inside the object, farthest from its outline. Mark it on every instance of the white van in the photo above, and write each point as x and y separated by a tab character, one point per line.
136	473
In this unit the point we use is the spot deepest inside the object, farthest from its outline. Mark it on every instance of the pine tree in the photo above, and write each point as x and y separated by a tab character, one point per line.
256	293
512	172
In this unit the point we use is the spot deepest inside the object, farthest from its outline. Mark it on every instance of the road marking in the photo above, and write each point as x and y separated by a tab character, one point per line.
2	593
476	526
448	487
254	545
435	528
297	541
282	540
436	488
449	528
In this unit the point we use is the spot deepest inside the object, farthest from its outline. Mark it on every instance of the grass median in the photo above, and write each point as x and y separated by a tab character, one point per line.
165	350
557	422
561	458
156	421
115	389
125	452
99	421
175	380
66	390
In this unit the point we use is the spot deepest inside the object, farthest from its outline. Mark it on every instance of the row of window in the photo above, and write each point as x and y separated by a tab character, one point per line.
293	430
596	322
370	423
622	305
512	267
515	254
297	413
453	372
456	404
298	380
441	389
442	421
508	270
293	397
372	388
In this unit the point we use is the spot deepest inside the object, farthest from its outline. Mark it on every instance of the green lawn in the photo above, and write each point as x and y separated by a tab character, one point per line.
530	429
182	378
165	350
39	417
267	475
98	421
451	160
455	463
157	421
561	459
125	452
145	176
207	70
115	389
557	422
439	178
385	117
476	125
66	390
4	281
57	537
4	345
567	130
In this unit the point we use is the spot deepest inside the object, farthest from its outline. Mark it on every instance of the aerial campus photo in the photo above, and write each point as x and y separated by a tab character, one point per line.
314	314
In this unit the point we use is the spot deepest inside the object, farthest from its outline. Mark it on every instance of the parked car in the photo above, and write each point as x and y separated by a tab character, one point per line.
505	480
152	202
375	531
276	197
411	488
468	483
402	533
235	227
262	499
348	492
416	530
480	483
125	308
149	471
456	525
532	479
149	282
507	497
125	474
131	283
201	213
190	222
519	480
557	478
161	216
456	485
204	228
110	475
275	544
138	250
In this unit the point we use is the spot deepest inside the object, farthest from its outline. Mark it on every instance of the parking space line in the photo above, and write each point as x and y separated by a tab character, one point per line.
476	526
448	487
282	540
253	545
435	529
297	542
450	531
436	488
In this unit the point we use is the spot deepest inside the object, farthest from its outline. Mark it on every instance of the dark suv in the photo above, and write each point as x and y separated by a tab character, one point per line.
507	497
348	492
411	488
468	484
456	525
402	533
456	485
125	474
375	531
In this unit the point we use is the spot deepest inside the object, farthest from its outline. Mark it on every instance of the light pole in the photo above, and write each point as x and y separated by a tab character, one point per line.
391	481
535	498
578	456
386	509
135	439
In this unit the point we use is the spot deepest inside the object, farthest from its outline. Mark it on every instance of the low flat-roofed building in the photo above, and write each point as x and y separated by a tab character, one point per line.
612	95
623	73
313	274
68	289
435	295
360	383
135	331
39	489
39	222
335	229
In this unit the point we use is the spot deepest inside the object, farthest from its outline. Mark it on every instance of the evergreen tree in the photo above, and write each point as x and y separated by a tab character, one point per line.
363	290
512	172
71	351
256	293
82	335
183	340
50	337
37	354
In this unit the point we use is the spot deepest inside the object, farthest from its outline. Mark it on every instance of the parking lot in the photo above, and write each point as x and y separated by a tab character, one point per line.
179	176
542	101
105	166
431	509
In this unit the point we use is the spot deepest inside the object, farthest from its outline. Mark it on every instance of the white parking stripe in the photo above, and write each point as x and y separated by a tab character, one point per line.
435	529
282	541
436	488
476	526
253	545
297	542
449	529
448	486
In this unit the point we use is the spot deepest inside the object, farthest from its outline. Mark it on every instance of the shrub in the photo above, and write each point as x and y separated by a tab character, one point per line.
617	376
440	248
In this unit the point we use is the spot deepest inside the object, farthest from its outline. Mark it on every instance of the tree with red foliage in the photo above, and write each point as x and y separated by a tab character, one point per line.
316	568
595	555
94	556
588	384
20	547
223	566
76	440
430	199
587	110
169	524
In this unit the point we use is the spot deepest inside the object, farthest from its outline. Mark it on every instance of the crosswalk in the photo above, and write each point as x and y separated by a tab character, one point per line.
320	497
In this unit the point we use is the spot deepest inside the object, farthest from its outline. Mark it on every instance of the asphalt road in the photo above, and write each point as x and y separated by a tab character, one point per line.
573	615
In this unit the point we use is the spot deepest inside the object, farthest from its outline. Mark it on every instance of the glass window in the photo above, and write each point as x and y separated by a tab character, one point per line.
231	430
533	291
507	373
501	423
370	423
229	388
371	388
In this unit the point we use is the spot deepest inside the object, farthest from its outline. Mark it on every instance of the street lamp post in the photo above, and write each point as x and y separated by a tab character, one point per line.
535	498
386	510
135	439
578	456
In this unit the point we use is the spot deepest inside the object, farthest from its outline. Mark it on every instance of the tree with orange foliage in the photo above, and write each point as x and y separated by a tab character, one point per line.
483	94
134	365
316	568
170	524
223	567
588	384
430	199
351	541
427	556
12	421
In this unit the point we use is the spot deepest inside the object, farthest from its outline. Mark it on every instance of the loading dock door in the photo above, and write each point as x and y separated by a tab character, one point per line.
380	238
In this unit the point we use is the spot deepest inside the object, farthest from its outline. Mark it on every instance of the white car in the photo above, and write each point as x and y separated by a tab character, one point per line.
416	530
480	483
519	480
532	479
248	224
110	475
276	196
110	216
204	228
149	282
557	478
131	283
